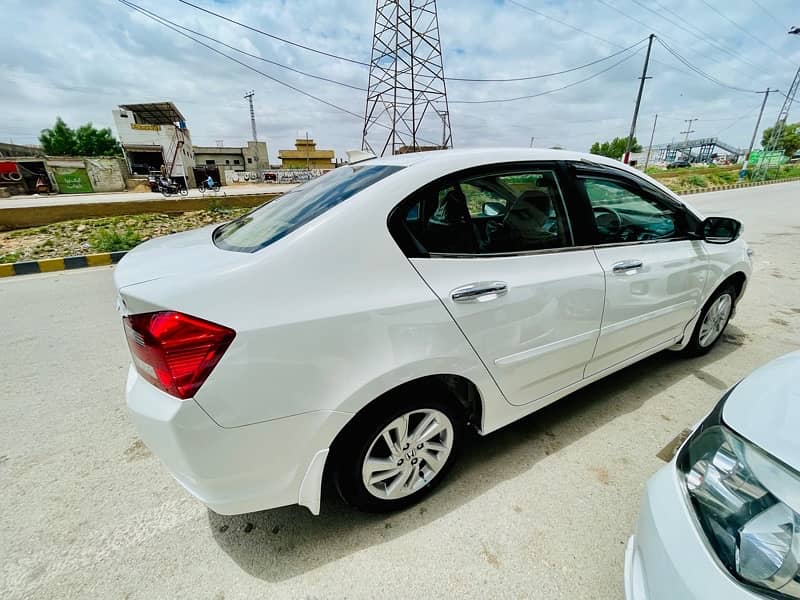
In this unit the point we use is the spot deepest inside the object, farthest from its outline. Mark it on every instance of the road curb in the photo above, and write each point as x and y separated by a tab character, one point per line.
48	265
36	216
735	186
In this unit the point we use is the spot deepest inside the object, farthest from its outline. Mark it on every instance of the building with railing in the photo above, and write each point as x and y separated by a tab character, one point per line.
154	137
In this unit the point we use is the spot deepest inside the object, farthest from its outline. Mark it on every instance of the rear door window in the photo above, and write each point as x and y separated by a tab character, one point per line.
276	219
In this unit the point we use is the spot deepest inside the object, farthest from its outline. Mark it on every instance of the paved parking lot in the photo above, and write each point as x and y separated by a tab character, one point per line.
540	509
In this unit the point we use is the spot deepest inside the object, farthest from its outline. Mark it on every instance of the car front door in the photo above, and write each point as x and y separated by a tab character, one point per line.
655	271
499	253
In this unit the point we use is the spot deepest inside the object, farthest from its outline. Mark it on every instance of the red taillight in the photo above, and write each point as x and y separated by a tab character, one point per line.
176	352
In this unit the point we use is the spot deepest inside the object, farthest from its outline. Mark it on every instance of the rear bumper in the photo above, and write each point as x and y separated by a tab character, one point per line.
231	470
667	558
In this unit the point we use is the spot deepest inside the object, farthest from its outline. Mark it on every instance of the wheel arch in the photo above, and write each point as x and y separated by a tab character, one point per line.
458	390
738	280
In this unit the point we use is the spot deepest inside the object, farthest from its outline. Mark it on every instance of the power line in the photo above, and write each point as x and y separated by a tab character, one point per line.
742	29
590	34
546	92
768	13
173	25
703	37
247	66
543	75
255	56
702	73
275	37
564	23
309	48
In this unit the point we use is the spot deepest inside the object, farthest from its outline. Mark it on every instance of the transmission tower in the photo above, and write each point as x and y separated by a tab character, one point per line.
777	131
406	95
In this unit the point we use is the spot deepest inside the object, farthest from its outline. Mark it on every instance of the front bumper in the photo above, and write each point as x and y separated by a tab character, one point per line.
231	470
668	557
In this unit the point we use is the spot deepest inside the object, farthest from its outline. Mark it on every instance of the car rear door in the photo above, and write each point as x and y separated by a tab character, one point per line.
655	271
497	249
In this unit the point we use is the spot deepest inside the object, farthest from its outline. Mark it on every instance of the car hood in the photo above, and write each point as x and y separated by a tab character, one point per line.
765	408
181	255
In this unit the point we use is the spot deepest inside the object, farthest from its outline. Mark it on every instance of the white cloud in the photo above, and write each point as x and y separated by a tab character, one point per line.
79	60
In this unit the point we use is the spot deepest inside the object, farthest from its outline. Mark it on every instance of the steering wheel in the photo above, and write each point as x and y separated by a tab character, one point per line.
608	220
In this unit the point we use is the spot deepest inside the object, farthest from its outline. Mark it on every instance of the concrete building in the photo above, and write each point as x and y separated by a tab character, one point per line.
306	156
253	157
154	137
20	150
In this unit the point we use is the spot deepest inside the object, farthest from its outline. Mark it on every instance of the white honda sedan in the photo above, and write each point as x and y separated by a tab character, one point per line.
355	327
722	520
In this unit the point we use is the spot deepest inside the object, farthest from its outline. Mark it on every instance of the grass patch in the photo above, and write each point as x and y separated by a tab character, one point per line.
11	257
110	240
696	181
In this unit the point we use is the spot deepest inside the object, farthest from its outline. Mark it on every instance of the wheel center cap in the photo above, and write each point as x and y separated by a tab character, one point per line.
411	453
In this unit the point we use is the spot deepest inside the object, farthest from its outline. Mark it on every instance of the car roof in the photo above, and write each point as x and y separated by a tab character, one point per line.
487	155
456	159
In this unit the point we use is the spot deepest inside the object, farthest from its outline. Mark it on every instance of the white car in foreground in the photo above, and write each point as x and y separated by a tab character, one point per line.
357	325
722	520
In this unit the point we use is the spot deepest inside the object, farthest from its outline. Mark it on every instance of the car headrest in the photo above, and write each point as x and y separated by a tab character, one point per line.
452	208
531	204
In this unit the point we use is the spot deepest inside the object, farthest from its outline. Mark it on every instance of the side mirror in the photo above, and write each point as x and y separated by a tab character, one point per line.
720	230
493	209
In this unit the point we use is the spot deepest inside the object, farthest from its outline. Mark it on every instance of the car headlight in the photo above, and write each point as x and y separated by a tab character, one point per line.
747	504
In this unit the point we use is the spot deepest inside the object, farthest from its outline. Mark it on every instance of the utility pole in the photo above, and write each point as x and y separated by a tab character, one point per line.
650	145
688	128
532	138
627	155
308	166
777	131
249	96
743	172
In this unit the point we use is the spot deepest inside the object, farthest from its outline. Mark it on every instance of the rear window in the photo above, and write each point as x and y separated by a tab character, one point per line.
274	220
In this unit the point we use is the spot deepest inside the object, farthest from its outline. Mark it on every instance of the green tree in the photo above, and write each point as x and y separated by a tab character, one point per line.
60	140
615	148
789	141
96	142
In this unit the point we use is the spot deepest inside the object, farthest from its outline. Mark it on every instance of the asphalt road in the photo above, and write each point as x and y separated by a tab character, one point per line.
540	509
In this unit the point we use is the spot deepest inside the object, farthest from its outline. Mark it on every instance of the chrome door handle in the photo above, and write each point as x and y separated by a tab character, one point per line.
626	265
482	291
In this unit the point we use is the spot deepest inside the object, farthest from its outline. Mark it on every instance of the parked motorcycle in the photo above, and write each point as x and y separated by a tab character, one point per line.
171	188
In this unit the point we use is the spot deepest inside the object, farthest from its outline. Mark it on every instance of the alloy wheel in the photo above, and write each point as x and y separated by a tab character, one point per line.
407	454
715	320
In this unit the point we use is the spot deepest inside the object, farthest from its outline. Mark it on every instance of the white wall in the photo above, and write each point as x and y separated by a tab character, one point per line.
158	135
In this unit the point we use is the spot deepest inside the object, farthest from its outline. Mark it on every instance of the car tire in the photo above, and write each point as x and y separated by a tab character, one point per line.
418	460
713	319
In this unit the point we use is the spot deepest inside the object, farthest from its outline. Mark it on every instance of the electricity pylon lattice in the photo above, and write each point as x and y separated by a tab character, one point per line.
406	96
764	161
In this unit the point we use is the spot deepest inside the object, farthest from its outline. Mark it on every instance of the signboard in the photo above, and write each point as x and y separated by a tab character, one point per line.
72	181
145	127
772	159
272	176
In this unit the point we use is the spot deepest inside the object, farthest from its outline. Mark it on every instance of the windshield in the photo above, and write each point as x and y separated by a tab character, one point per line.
278	218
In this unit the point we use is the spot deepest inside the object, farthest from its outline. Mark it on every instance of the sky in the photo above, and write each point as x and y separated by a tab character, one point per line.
79	59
